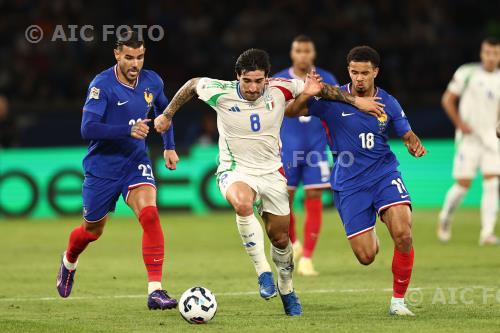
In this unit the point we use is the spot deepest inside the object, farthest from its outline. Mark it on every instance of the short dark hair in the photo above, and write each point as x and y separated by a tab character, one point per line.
253	60
492	41
129	38
363	53
303	39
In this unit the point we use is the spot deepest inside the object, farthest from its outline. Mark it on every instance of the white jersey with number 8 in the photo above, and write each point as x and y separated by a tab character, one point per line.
249	131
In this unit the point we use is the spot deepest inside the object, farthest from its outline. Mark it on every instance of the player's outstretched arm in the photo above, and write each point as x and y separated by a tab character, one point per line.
181	97
312	87
369	105
298	107
414	145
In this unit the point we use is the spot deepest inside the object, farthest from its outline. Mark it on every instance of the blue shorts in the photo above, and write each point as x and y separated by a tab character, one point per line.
310	166
358	208
100	194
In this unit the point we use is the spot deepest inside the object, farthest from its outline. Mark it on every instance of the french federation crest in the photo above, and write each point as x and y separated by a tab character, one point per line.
382	123
148	96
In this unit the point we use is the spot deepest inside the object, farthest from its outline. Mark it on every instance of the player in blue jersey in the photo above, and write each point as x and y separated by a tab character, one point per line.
115	120
250	111
365	178
304	157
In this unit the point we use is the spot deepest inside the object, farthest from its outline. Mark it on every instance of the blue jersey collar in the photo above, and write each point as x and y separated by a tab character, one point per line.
115	70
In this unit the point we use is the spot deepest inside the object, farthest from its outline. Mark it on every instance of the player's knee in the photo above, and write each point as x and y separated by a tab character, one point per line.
403	241
280	241
243	207
313	193
366	257
95	229
465	183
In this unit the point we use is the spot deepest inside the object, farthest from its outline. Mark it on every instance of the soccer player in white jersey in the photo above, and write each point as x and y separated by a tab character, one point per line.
477	86
249	116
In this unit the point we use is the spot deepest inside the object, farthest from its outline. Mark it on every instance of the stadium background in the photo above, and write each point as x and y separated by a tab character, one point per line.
421	44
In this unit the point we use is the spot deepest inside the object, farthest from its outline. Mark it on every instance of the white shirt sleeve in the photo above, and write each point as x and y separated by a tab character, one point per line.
459	80
203	90
297	86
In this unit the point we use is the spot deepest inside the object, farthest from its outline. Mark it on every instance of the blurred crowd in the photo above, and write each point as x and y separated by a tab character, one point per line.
421	42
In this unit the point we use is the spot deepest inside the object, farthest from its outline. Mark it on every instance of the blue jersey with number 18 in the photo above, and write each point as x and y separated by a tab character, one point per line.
362	152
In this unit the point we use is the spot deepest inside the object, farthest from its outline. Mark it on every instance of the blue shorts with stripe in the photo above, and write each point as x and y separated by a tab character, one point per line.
358	208
101	194
311	167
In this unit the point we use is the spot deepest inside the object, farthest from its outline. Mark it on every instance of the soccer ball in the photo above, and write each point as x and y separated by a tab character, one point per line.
197	305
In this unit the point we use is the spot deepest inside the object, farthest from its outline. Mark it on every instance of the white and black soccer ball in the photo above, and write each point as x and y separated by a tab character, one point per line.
197	305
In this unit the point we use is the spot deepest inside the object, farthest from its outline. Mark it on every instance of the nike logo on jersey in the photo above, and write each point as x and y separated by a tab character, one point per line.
403	281
405	196
121	103
346	114
156	260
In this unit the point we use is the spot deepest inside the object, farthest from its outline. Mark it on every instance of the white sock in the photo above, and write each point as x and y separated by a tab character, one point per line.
153	286
283	259
253	240
69	265
489	207
397	300
453	199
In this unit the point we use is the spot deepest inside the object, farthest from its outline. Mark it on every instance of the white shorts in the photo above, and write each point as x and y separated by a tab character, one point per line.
271	189
471	155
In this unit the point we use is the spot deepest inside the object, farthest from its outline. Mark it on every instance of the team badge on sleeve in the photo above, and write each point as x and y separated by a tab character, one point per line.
94	93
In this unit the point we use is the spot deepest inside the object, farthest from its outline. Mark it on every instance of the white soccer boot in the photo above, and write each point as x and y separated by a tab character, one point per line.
399	308
444	230
489	240
306	267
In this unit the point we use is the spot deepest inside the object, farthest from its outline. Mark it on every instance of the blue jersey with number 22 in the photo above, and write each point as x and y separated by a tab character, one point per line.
120	105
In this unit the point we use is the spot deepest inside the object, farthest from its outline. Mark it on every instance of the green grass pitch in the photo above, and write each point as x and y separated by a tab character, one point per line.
110	285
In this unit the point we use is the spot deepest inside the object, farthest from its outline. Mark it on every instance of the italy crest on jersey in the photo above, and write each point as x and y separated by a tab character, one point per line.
269	102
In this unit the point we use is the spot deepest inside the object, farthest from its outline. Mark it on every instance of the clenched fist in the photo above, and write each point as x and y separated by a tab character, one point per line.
140	129
162	123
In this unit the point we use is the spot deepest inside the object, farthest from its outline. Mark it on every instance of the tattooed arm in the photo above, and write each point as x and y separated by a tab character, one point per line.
314	87
181	97
369	105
